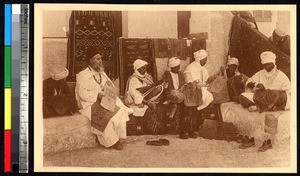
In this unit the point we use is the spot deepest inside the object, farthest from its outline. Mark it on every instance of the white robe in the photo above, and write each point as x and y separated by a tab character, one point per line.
275	80
137	97
196	72
86	91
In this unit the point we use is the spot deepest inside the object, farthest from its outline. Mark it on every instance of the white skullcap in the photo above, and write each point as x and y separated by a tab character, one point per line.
279	32
233	61
173	62
139	63
200	54
267	57
58	73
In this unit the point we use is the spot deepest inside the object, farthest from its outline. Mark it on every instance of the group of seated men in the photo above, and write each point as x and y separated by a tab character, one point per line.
268	89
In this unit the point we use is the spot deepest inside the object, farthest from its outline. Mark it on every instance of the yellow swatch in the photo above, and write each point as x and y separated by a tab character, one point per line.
7	112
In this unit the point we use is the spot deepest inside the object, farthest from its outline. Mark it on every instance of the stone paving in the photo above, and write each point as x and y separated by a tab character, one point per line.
200	153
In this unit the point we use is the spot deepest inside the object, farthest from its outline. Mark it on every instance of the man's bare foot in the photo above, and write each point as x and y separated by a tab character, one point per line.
252	108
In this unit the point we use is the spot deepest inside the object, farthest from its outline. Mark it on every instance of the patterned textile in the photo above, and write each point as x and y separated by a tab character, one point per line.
91	29
270	100
155	123
247	44
130	50
170	48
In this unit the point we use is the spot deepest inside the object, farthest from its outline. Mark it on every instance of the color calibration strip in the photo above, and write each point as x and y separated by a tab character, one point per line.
7	86
15	58
16	81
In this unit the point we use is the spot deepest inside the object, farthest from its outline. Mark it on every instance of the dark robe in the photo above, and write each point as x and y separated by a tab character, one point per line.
169	90
57	99
236	86
283	44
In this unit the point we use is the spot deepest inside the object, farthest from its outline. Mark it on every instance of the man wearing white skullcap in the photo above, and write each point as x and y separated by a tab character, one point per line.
140	91
268	84
173	80
57	99
236	80
92	84
281	40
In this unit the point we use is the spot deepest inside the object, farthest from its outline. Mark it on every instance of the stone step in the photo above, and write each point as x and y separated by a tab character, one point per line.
67	133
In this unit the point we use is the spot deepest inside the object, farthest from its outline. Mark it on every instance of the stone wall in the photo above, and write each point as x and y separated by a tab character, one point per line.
217	25
54	53
150	24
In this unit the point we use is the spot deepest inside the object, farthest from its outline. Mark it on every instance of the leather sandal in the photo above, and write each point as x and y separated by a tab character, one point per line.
183	136
164	141
192	135
265	146
118	146
249	143
240	139
155	143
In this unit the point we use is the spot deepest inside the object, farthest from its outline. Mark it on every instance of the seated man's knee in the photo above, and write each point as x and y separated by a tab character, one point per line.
245	102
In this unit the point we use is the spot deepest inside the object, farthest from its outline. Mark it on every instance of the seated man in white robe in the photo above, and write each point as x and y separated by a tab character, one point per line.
270	87
142	95
90	89
140	89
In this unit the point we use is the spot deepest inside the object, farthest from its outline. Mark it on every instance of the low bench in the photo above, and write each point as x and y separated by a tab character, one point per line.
253	123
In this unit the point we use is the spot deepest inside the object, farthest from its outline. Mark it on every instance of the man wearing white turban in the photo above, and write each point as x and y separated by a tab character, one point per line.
91	86
270	87
196	72
141	94
57	99
196	75
140	90
281	40
236	80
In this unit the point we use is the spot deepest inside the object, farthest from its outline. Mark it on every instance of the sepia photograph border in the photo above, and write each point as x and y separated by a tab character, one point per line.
38	79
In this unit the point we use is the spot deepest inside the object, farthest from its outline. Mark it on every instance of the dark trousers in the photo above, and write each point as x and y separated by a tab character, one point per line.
189	119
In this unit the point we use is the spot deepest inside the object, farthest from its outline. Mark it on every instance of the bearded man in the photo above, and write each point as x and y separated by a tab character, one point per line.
90	89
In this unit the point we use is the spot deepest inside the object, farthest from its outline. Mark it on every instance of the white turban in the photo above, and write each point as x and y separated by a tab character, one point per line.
279	32
199	55
233	61
58	73
139	63
173	62
267	57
